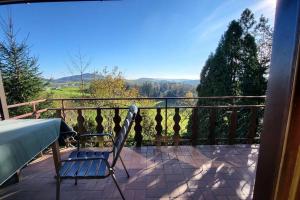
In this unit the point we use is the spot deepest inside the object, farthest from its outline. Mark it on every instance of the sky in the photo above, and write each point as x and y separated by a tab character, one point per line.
143	38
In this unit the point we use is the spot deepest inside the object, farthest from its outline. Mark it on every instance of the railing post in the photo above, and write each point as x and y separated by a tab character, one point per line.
212	125
233	126
158	127
176	126
252	125
58	113
34	111
117	120
138	129
195	127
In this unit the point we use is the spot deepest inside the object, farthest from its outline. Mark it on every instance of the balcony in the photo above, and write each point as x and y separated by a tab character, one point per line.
172	152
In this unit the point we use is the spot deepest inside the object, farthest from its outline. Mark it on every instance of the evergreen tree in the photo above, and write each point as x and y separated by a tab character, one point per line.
219	76
238	67
251	77
247	21
20	71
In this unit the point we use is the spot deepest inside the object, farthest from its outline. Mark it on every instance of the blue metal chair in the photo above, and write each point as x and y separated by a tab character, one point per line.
94	164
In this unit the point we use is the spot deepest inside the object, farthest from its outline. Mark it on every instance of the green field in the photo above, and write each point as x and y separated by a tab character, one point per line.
148	123
65	92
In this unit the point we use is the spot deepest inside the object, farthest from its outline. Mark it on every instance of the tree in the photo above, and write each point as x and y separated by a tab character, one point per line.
111	84
263	34
79	64
247	20
20	70
146	89
219	76
252	78
237	67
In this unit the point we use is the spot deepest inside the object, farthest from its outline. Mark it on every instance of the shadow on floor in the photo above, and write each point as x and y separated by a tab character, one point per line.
184	172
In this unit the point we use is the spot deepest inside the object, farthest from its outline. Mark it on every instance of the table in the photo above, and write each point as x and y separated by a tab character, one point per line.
23	139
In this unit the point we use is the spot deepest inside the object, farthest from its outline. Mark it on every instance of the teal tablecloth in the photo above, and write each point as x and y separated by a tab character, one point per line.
22	140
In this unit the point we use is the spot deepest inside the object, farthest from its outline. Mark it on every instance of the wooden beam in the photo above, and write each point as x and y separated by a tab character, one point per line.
3	105
279	102
5	2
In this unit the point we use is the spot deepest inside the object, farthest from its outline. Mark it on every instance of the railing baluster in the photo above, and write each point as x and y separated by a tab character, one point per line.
166	117
138	129
99	127
195	122
232	127
63	110
158	127
99	120
176	126
80	122
252	125
212	125
117	120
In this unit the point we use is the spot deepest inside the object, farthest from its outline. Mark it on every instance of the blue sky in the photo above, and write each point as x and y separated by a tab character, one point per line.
144	38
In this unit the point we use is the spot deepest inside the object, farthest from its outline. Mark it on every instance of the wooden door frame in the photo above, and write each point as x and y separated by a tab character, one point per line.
3	105
279	102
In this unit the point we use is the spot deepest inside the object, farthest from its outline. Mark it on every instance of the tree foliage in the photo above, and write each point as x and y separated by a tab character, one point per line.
111	84
20	70
165	89
238	66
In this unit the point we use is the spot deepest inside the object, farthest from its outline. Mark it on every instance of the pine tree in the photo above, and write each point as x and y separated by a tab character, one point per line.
21	77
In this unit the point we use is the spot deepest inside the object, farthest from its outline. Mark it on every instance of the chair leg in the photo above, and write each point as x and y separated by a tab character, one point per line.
76	178
114	178
57	188
124	167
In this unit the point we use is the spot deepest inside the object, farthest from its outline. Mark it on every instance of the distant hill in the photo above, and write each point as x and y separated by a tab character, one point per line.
76	78
89	77
159	80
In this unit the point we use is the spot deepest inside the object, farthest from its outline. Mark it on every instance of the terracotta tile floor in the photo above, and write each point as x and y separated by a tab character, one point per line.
184	172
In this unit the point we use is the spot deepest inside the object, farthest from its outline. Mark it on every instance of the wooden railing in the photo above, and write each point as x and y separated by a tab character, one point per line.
168	131
35	113
170	121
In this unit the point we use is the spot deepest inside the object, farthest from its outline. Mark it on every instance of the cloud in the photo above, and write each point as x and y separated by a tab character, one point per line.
266	7
213	16
218	20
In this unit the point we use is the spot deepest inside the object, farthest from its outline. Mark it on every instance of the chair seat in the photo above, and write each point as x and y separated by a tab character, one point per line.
87	168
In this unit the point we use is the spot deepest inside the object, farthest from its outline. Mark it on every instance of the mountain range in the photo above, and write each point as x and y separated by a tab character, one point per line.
90	76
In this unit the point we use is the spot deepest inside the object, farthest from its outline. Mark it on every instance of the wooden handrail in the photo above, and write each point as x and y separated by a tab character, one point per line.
36	113
29	114
26	103
156	98
161	107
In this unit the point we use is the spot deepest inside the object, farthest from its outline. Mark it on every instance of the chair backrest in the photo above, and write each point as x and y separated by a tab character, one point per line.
123	133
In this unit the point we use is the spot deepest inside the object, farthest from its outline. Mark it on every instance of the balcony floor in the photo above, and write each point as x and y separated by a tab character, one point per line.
184	172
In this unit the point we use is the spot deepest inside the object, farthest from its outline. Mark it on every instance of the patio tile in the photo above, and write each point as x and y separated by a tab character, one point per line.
184	172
